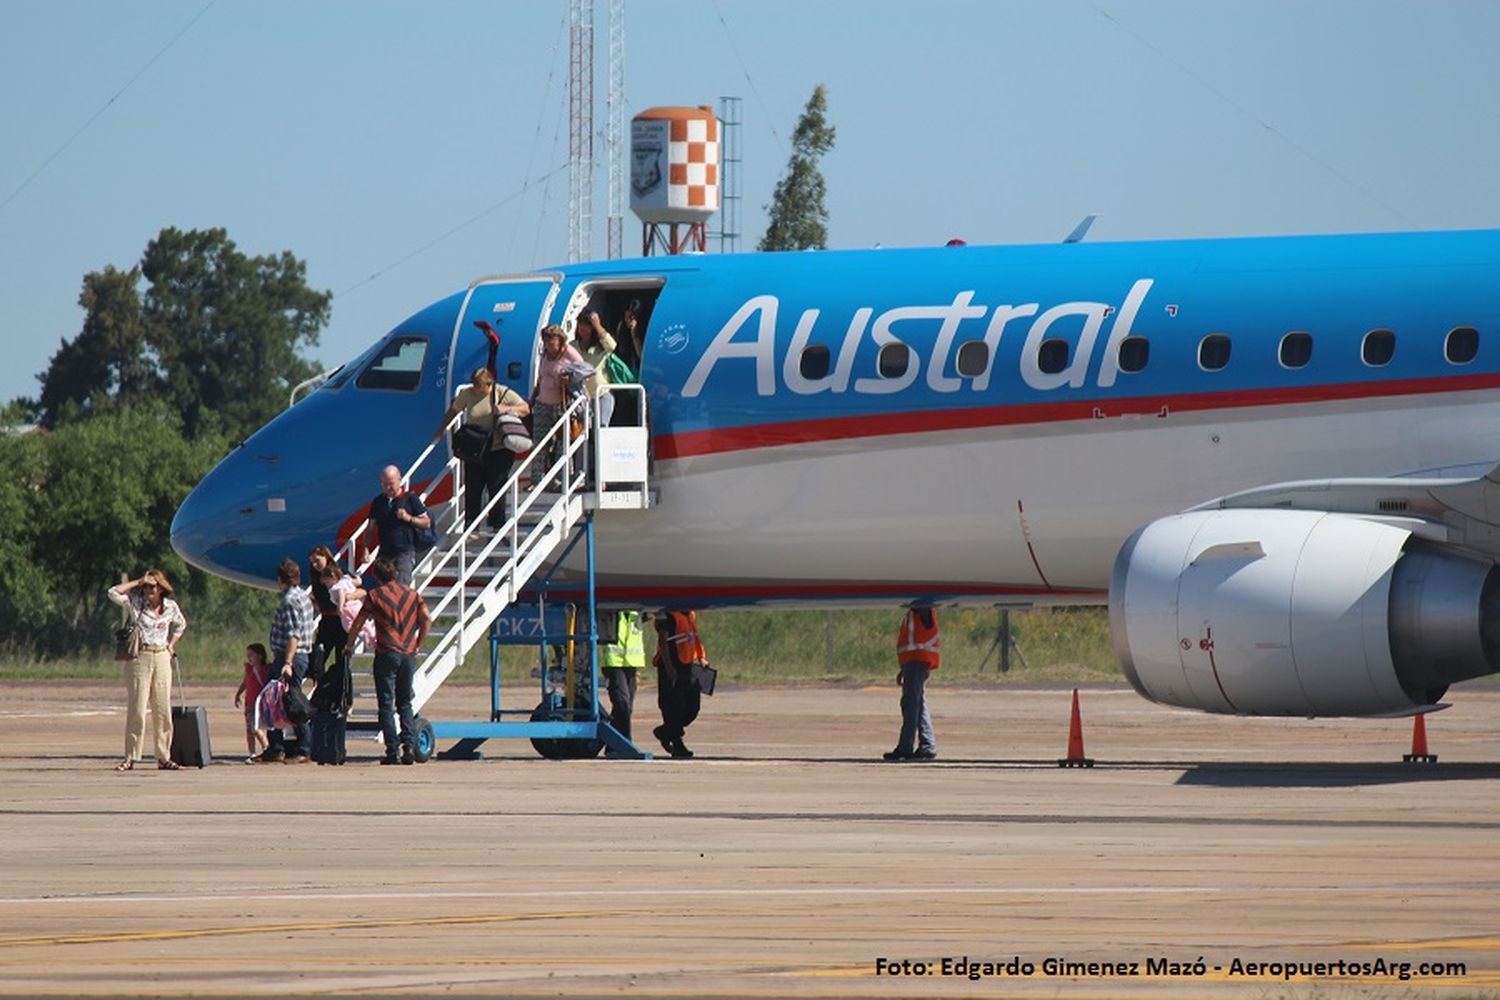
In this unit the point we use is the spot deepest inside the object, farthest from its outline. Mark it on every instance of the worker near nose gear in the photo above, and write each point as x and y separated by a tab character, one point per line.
918	650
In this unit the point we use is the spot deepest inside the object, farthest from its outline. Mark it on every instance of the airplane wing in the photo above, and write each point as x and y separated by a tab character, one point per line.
1462	511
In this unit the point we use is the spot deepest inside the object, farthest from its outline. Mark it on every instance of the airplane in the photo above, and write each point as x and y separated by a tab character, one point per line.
1273	458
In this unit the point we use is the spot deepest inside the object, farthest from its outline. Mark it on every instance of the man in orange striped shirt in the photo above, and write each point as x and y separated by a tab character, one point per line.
401	626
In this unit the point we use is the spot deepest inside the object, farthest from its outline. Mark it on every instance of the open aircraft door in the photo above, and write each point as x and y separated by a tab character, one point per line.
518	307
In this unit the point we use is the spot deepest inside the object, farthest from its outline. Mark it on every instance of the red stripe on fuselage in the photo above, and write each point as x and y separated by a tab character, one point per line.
653	593
728	439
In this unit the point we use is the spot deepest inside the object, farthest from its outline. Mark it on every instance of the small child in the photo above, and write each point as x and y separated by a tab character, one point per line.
256	670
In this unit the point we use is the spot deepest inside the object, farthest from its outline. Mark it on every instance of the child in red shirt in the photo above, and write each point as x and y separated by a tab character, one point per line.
256	670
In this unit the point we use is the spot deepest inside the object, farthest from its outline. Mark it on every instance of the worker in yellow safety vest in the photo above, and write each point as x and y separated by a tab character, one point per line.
622	660
918	651
678	695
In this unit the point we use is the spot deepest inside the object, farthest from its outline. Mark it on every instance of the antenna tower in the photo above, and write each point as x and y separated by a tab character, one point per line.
580	129
614	136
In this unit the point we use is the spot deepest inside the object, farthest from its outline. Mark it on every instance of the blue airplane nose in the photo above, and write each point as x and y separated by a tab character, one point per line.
206	526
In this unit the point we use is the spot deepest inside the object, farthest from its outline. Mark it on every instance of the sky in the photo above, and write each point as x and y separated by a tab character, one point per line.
402	149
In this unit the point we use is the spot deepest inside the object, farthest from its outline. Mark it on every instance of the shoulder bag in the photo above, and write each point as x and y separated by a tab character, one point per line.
472	440
128	636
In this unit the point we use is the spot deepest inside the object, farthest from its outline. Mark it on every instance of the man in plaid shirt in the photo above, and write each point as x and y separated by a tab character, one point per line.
292	632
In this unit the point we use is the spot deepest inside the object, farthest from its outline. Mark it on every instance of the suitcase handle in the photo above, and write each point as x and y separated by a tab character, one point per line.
177	672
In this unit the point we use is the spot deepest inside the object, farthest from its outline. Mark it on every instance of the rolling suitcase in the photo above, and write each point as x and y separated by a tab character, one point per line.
189	730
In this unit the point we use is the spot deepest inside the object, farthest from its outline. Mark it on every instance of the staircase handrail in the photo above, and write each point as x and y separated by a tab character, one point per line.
520	547
348	552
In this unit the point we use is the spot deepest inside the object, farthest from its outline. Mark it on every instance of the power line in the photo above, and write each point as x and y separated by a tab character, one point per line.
536	142
746	70
106	106
1257	119
521	192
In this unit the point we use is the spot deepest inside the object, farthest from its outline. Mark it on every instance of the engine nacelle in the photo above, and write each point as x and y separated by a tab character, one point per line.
1285	612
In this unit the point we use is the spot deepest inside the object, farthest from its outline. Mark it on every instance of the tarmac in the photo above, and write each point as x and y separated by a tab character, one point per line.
1201	856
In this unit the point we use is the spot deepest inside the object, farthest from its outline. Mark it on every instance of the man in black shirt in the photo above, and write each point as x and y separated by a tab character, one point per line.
397	518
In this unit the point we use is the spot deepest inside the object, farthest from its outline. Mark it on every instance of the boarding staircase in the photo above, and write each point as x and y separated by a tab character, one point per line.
473	573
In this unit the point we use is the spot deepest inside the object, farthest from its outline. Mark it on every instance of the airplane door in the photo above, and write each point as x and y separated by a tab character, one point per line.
517	306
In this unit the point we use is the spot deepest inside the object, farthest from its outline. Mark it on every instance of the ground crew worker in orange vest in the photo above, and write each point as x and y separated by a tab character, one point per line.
677	693
918	650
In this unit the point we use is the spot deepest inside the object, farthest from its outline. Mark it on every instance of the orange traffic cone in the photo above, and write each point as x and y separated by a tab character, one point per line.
1075	757
1419	754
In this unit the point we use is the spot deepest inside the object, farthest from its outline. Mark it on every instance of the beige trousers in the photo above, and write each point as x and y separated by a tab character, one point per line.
148	680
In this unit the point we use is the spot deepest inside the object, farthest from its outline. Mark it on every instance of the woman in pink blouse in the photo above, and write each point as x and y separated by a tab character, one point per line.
551	392
159	626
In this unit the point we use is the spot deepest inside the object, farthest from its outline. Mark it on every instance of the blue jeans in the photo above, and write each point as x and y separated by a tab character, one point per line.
916	722
393	690
274	739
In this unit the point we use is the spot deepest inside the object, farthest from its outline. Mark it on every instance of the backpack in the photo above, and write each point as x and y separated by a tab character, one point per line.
422	539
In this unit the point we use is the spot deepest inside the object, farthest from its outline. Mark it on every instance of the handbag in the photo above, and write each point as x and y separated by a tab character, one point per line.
294	701
470	442
127	641
513	433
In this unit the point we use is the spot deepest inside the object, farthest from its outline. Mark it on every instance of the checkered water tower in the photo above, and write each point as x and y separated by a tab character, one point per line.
674	177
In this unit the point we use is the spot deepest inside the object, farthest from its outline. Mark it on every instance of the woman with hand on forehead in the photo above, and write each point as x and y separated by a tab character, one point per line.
159	625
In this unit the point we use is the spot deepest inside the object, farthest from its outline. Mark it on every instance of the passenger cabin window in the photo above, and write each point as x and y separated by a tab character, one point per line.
1052	356
894	360
1379	347
1134	353
1296	349
973	358
1462	345
1213	352
398	365
814	362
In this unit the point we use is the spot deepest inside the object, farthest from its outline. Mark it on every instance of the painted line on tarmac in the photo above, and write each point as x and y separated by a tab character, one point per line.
1478	944
285	928
983	819
248	893
251	893
73	713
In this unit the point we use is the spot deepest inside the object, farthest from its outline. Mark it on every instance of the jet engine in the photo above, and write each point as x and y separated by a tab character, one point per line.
1287	612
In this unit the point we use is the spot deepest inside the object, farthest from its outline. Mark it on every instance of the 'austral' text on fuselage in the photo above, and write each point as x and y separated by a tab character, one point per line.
761	347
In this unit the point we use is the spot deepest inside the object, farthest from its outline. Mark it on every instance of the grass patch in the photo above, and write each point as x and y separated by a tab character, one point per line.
748	647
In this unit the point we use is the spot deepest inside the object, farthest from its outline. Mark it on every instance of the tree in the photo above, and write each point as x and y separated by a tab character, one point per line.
107	362
216	336
83	505
799	219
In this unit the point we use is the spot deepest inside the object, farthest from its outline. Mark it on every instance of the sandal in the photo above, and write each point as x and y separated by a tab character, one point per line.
125	765
169	765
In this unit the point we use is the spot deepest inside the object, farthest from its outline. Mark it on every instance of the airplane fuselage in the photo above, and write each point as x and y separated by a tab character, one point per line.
979	424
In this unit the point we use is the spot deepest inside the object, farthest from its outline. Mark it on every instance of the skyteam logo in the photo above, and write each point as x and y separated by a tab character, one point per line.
750	338
674	339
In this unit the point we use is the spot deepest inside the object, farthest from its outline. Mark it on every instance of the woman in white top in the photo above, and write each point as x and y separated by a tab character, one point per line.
159	625
596	345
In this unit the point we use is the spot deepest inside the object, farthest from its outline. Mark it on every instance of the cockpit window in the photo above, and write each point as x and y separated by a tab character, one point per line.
345	371
398	365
